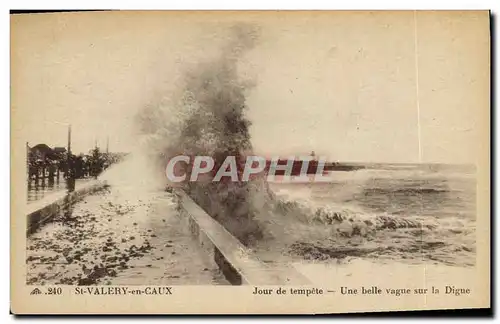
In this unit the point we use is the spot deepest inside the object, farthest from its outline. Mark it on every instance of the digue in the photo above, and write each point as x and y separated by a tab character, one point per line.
252	166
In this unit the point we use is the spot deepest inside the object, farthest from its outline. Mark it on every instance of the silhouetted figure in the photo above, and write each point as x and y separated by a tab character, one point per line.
52	172
96	162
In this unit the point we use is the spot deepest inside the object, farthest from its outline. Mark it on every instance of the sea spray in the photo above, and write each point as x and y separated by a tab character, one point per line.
207	117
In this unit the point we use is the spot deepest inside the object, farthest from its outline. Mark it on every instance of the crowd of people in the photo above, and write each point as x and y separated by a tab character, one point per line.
70	166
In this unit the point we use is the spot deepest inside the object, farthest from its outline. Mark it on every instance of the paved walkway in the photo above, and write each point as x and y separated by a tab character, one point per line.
122	236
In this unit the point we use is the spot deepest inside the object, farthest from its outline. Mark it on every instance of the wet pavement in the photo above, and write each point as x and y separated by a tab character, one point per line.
45	189
119	236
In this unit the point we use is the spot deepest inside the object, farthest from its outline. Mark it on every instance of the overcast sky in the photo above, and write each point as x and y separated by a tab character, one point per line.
343	84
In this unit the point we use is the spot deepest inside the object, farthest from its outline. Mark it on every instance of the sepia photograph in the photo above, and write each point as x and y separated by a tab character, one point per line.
338	155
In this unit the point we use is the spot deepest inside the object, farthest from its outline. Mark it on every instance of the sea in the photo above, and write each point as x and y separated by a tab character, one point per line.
414	213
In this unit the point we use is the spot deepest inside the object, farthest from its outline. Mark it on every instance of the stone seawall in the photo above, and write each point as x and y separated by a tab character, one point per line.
44	210
238	264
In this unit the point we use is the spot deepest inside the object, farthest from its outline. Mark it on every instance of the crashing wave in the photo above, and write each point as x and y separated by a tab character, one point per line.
348	220
207	116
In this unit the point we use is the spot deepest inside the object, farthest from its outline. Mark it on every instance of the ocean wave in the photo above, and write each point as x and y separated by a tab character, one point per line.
363	175
352	221
437	251
307	228
405	191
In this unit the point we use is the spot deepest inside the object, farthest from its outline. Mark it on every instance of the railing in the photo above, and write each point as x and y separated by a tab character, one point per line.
238	264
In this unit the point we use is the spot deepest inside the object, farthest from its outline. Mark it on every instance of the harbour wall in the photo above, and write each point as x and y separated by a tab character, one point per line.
239	265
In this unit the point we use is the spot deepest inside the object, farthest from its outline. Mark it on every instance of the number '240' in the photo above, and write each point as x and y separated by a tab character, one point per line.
54	291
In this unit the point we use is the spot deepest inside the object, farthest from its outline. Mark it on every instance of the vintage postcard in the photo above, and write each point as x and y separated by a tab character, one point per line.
299	162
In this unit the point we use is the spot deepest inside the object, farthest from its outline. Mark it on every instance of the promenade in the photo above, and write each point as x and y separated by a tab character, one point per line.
120	235
125	229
